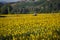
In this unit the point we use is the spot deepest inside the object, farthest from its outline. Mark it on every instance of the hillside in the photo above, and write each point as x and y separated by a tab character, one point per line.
41	6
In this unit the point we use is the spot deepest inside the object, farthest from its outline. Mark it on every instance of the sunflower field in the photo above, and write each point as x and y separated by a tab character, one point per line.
30	27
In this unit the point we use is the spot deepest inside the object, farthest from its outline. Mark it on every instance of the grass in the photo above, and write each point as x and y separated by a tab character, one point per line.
29	27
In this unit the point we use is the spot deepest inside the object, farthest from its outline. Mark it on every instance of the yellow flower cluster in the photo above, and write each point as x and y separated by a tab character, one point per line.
29	27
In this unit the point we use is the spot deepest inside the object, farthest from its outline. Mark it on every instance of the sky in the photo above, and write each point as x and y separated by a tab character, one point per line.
9	0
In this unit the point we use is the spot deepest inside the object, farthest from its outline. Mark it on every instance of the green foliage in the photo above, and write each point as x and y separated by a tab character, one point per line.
5	9
41	6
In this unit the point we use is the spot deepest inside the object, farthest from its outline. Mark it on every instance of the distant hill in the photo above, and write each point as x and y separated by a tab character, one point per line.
3	2
24	4
39	6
